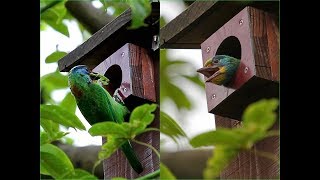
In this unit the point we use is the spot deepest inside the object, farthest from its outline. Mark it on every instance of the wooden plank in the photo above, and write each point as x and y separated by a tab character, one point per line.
110	38
273	45
202	19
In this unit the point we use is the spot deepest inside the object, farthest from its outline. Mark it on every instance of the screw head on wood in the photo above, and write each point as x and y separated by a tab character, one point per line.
241	22
246	70
213	96
208	49
122	54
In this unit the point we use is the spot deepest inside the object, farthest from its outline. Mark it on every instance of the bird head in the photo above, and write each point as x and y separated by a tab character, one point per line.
220	69
79	74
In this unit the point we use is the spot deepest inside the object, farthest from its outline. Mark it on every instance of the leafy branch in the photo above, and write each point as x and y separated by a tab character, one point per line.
116	134
49	5
258	118
140	10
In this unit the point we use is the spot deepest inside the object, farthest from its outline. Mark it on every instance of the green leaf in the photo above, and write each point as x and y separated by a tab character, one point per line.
53	81
55	56
110	147
50	127
140	9
118	178
222	155
162	22
104	3
69	103
43	171
108	128
54	17
141	117
67	140
81	175
43	25
165	172
61	116
44	138
169	127
60	27
260	116
168	89
48	138
119	6
236	138
195	79
171	91
54	161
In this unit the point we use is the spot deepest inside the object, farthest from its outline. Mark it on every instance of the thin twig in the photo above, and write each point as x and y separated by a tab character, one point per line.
48	6
148	145
266	155
272	133
151	129
150	175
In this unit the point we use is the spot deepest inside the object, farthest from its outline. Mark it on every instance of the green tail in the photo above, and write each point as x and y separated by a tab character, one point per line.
131	156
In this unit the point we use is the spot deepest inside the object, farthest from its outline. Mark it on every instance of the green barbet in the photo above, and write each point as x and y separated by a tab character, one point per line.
97	105
220	69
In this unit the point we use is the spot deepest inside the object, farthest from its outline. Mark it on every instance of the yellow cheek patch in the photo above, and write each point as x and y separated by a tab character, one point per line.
221	77
218	79
223	69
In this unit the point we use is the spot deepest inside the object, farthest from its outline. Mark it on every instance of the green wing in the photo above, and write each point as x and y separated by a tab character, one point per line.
97	105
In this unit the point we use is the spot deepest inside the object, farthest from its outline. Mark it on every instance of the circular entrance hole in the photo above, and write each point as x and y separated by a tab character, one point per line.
114	74
230	46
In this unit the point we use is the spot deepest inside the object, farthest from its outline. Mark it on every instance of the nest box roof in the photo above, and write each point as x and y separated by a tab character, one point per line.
110	38
202	19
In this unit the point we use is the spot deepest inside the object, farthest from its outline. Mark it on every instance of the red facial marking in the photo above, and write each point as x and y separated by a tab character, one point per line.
76	91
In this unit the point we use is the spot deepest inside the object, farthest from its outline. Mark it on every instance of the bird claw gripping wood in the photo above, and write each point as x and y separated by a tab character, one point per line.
101	79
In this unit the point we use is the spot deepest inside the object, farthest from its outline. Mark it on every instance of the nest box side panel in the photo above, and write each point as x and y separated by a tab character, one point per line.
252	36
137	74
235	28
142	73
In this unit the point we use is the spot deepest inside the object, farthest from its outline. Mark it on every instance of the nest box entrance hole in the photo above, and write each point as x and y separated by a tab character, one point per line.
114	74
230	46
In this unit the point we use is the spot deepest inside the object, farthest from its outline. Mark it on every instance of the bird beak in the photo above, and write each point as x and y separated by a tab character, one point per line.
210	70
94	75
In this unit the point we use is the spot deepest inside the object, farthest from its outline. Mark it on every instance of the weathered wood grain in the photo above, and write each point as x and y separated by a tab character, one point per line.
202	18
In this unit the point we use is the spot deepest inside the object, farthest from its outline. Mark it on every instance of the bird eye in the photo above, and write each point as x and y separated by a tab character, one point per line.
215	61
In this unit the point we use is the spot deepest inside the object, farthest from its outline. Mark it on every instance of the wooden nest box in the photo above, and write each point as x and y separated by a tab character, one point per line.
128	58
252	36
247	30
